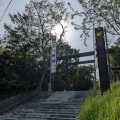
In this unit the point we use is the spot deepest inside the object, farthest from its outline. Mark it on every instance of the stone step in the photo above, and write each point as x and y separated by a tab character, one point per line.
45	116
68	110
56	107
8	118
52	103
37	118
50	118
59	106
60	118
47	112
40	114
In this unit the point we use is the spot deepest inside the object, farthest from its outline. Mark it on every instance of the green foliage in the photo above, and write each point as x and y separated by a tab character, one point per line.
17	74
115	57
115	60
82	78
27	44
105	107
13	86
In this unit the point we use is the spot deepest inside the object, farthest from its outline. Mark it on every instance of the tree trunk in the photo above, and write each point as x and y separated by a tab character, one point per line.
39	85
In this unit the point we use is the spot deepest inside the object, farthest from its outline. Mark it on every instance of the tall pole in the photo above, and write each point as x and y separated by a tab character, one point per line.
49	84
108	57
94	61
53	82
67	83
52	61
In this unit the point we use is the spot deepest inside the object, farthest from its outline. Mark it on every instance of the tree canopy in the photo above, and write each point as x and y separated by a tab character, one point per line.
31	36
98	13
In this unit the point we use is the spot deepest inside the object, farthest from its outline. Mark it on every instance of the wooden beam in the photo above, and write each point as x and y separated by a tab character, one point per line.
81	62
111	50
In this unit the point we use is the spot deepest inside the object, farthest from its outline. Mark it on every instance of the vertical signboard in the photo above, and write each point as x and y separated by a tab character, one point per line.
53	55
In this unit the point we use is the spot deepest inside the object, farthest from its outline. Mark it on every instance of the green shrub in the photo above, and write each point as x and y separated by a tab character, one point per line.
13	86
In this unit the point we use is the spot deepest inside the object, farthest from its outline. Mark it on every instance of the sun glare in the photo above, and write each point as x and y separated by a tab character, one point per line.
58	29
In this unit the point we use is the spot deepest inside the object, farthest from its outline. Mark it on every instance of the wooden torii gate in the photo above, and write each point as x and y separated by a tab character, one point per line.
66	57
102	60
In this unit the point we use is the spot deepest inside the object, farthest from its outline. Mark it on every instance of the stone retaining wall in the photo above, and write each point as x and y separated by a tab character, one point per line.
11	102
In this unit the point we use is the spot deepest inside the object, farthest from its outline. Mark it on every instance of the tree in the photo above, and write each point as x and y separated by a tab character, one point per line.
82	78
115	59
17	74
99	13
32	32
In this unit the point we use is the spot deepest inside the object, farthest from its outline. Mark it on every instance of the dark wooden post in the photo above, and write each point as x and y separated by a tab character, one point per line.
102	60
67	82
66	74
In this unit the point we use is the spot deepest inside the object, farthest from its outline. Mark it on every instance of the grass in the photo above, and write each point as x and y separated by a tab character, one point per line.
105	107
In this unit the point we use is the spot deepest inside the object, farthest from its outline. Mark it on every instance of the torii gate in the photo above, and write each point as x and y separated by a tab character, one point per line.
102	60
66	57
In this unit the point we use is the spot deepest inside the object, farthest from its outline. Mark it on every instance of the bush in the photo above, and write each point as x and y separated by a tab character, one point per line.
13	86
104	107
83	78
83	84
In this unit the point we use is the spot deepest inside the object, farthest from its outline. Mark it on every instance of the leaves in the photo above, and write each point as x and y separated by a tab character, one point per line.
82	78
100	13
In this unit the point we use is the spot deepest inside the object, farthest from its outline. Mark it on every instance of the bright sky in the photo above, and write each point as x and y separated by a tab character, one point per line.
72	36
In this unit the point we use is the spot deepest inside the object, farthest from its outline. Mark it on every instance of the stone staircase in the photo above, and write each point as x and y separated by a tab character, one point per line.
48	106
